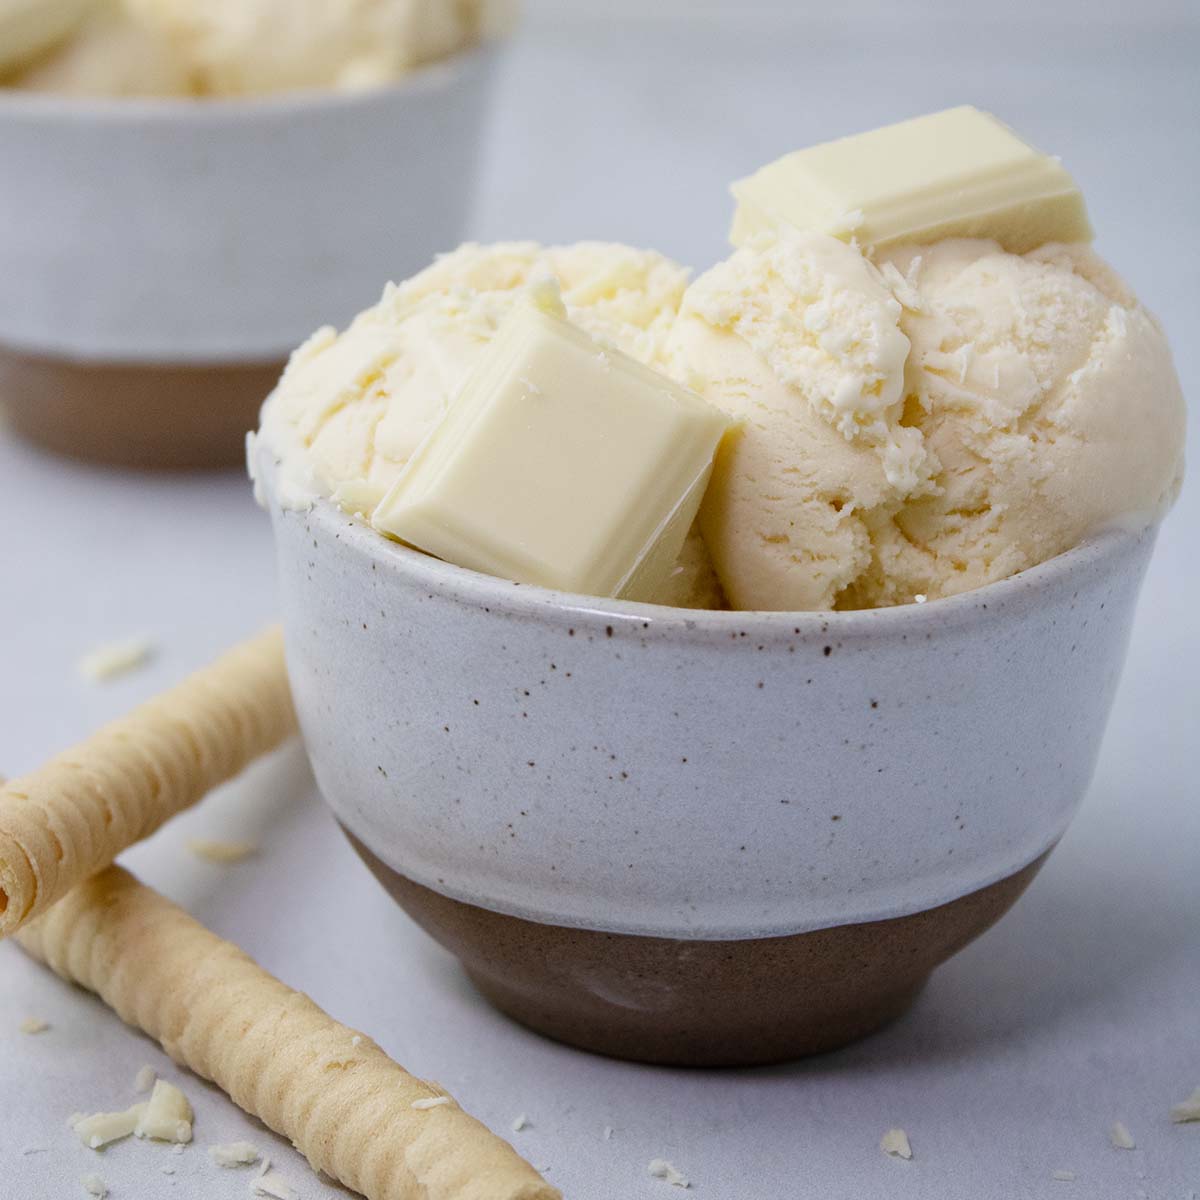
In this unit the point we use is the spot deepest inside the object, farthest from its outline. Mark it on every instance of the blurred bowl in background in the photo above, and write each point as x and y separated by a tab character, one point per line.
160	258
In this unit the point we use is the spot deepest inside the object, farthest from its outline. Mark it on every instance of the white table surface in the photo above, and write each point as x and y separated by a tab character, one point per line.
1081	1007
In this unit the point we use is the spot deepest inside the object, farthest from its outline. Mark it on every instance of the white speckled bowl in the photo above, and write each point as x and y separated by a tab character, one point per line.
161	257
690	836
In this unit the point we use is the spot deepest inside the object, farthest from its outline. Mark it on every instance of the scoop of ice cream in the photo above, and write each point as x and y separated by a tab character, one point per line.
800	339
926	426
29	28
1047	397
113	54
250	47
350	409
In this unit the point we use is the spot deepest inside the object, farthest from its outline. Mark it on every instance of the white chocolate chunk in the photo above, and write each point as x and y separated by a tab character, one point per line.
895	1144
659	1168
1187	1110
431	1102
1063	1176
94	1185
520	1122
113	659
143	1081
957	173
34	1025
234	1154
167	1116
559	463
1120	1137
99	1129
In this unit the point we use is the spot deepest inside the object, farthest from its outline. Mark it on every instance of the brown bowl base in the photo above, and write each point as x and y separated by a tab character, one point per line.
158	416
701	1003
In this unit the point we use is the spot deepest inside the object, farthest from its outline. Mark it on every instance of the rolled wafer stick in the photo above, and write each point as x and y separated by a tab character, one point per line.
343	1102
70	818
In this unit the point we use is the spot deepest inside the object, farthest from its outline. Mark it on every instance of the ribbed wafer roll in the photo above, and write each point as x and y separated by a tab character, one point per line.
344	1103
70	818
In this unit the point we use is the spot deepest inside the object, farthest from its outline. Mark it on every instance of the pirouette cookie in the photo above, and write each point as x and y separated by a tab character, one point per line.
355	1114
73	816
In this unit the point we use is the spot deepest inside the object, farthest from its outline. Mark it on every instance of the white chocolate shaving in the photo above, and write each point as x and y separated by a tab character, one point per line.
895	1144
234	1154
1120	1137
1187	1110
99	1129
167	1116
659	1168
113	659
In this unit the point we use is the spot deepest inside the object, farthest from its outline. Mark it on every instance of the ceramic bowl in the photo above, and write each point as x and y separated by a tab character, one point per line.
160	258
697	837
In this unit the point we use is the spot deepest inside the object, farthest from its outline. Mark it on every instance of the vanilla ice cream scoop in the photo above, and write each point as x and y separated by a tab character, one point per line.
351	408
29	28
231	47
113	53
924	425
253	47
1046	396
799	338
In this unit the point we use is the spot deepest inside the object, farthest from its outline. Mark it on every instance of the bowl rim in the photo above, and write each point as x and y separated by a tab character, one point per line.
1099	551
441	74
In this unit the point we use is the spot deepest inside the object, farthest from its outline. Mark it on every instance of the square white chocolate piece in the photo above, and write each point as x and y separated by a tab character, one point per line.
561	463
957	173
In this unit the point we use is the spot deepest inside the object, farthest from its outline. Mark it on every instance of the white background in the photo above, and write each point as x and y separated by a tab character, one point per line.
625	121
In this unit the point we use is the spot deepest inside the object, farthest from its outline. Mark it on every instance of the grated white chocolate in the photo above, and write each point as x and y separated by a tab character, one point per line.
100	1129
234	1154
271	1183
114	659
1120	1137
659	1168
895	1144
1187	1110
167	1117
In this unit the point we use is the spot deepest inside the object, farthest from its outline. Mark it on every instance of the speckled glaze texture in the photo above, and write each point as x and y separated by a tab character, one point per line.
681	774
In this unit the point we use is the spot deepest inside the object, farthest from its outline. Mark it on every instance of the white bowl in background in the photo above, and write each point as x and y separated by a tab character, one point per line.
199	241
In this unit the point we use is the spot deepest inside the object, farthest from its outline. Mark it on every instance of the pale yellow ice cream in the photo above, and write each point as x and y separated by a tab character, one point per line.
232	47
252	47
350	409
30	28
113	53
922	425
